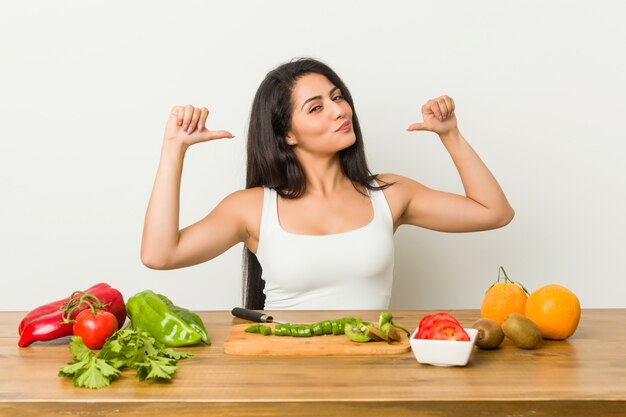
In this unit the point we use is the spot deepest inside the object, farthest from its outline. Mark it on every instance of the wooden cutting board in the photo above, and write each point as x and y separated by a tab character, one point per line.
241	343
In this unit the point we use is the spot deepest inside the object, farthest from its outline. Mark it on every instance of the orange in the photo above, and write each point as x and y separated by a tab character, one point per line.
502	299
555	310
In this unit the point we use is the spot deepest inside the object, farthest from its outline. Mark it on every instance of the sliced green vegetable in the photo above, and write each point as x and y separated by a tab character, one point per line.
360	330
255	328
259	328
327	327
301	330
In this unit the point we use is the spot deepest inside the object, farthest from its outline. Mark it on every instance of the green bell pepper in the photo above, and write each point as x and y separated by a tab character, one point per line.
147	311
259	328
191	318
326	327
282	330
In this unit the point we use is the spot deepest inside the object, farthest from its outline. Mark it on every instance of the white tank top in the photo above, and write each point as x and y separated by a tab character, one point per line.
352	270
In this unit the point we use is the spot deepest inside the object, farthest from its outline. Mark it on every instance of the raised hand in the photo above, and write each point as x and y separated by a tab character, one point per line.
438	115
187	125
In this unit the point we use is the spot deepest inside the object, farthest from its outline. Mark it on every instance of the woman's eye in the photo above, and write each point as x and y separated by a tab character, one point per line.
315	108
338	97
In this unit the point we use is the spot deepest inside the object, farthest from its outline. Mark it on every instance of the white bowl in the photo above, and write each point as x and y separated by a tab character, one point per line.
443	352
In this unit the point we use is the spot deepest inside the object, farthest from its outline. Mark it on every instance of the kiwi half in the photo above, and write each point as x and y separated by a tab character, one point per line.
375	333
490	334
357	333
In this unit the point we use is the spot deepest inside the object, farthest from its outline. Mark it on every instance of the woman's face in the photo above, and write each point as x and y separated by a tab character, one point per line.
321	121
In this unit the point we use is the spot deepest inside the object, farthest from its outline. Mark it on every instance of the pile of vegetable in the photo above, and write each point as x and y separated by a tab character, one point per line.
57	319
95	318
356	329
126	348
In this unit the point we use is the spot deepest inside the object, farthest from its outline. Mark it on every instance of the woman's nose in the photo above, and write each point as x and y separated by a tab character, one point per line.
339	109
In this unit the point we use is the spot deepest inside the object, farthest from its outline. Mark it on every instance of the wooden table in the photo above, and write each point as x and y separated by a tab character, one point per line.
583	376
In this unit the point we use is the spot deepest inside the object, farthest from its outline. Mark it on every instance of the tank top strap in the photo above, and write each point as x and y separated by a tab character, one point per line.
269	216
381	207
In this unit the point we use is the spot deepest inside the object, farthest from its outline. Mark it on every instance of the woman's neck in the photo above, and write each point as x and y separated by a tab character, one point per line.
324	176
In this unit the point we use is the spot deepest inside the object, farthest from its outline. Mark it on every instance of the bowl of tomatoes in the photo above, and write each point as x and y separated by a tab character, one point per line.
440	340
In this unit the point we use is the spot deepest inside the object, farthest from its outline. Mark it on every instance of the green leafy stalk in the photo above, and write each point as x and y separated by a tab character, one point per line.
126	348
87	370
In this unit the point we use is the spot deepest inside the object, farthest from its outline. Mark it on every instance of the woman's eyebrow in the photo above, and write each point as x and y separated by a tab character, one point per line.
318	97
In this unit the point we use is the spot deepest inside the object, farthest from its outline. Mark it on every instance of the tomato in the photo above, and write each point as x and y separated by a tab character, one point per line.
95	329
448	330
427	322
441	326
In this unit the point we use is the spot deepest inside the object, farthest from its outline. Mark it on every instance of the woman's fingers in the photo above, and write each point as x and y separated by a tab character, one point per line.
450	103
188	124
437	114
440	107
446	105
431	108
204	113
443	108
178	113
187	116
193	124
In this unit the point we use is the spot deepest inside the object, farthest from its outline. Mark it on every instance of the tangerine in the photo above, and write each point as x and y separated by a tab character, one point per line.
555	310
503	298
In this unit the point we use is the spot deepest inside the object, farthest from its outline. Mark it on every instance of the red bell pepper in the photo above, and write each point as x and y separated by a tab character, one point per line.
48	322
52	307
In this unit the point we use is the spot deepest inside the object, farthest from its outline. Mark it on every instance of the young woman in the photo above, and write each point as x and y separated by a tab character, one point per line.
316	224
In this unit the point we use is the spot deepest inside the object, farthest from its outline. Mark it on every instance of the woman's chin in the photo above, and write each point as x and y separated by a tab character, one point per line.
348	140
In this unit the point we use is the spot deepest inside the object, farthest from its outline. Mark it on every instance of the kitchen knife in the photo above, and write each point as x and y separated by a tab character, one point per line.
253	315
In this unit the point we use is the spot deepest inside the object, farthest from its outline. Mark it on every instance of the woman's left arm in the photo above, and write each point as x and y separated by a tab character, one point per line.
484	205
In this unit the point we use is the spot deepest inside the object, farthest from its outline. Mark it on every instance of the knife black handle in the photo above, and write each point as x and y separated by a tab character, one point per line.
251	315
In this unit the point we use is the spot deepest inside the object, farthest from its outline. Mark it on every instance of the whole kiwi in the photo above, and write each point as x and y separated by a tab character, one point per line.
490	334
522	331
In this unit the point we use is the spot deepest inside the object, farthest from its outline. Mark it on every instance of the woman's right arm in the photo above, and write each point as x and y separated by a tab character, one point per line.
163	245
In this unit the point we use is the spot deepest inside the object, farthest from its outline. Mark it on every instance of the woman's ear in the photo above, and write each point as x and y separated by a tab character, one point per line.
290	139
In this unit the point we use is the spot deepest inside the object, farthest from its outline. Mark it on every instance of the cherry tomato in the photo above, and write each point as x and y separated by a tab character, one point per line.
95	329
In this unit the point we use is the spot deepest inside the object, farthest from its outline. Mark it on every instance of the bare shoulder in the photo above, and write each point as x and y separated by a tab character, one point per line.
246	202
247	206
399	193
247	195
399	186
394	178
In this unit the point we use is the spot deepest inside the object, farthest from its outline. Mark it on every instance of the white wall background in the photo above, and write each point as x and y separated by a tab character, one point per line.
86	87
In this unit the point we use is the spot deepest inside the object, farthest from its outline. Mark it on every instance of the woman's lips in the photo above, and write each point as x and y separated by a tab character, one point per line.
346	126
